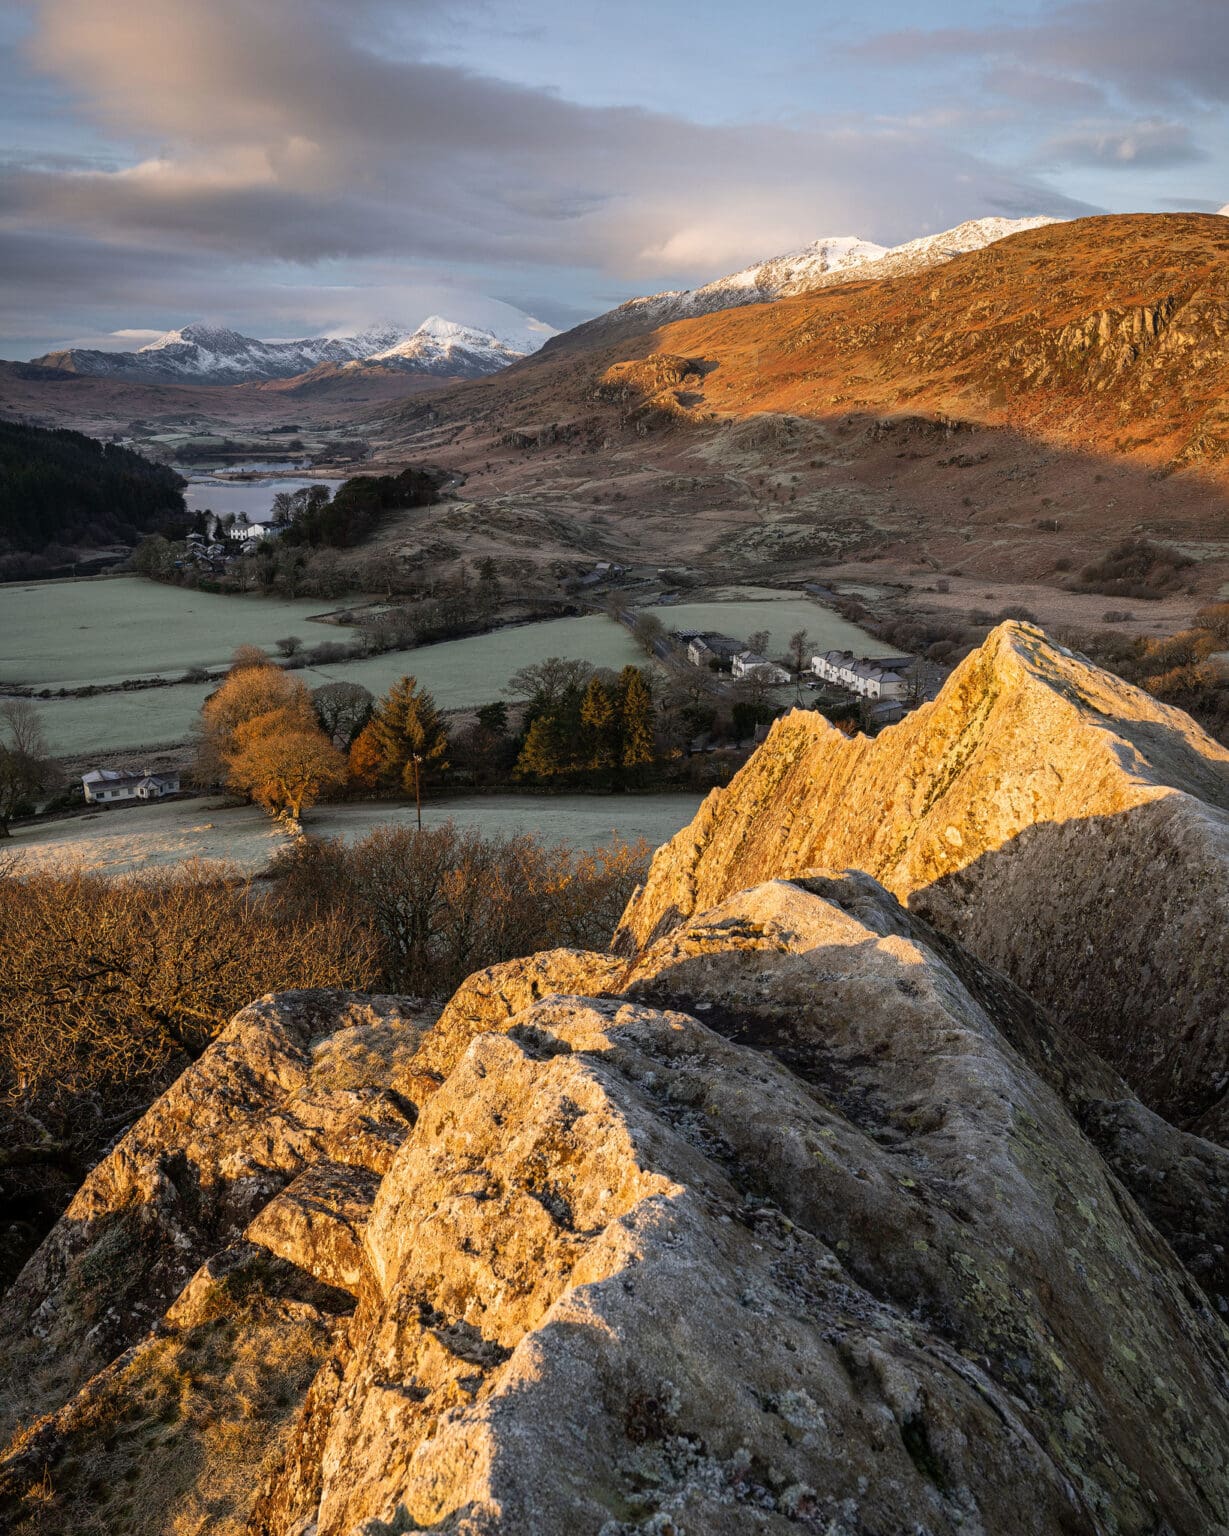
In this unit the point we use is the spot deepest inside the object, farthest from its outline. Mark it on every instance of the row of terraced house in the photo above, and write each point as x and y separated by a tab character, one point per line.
872	677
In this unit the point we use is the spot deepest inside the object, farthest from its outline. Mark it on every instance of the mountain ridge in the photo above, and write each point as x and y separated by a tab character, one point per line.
826	262
797	1215
204	354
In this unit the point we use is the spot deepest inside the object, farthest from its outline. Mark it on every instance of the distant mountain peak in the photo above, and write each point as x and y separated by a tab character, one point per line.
201	353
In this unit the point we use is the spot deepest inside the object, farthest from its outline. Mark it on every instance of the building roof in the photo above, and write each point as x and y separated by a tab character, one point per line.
123	778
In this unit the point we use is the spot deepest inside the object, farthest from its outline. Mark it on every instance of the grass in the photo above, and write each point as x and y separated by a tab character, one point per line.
66	634
781	616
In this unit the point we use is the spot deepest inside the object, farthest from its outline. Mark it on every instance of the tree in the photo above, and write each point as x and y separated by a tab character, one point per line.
27	770
599	726
489	589
635	719
153	557
405	742
759	641
365	757
799	647
249	656
543	754
290	645
649	632
284	764
544	683
343	709
252	687
494	718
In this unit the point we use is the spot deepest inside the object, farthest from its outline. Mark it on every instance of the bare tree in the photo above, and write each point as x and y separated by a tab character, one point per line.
27	768
546	682
649	632
343	709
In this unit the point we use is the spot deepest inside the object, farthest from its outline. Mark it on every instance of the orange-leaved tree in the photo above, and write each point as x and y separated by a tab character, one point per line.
260	736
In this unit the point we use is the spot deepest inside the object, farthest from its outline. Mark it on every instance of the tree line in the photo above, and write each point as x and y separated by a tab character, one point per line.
62	488
264	736
347	517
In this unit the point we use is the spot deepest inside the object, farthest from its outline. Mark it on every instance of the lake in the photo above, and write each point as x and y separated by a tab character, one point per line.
254	498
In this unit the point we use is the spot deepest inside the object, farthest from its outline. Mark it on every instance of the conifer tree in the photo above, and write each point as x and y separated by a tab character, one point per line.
636	720
405	733
598	726
542	755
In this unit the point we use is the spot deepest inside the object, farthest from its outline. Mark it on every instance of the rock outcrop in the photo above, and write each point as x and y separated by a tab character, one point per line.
801	1219
1063	826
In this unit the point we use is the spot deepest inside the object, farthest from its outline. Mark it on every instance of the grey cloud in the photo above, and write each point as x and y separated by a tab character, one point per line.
1141	145
1151	52
1042	88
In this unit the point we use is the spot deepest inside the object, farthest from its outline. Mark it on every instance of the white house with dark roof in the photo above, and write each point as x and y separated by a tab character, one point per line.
749	664
871	677
112	786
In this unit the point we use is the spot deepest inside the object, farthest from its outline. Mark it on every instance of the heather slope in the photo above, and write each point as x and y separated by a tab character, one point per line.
1014	412
1064	826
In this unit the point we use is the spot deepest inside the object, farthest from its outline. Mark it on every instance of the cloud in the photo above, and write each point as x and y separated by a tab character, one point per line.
1145	144
1150	53
309	133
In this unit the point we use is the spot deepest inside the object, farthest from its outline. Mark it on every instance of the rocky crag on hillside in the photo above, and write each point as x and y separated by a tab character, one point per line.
795	1215
1064	826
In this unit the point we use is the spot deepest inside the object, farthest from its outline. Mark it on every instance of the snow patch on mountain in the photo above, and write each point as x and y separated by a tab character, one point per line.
824	263
445	346
214	354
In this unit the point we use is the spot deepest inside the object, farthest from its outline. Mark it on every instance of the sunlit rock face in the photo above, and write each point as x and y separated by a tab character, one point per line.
793	1215
1064	826
801	1220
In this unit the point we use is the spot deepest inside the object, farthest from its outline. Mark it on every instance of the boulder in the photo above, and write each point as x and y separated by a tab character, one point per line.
1065	827
801	1219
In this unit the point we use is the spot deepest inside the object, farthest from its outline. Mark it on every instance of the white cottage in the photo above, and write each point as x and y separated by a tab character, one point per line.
111	786
749	664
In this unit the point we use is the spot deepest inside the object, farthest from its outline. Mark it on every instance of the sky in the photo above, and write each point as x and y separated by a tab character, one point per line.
305	167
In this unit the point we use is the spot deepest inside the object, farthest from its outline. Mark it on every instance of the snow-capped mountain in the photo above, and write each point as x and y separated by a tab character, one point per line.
822	264
445	347
211	354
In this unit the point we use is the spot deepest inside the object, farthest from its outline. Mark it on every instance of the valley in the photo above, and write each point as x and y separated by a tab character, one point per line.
956	421
614	769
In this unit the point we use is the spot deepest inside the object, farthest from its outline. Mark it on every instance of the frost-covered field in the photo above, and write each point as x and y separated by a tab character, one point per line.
129	839
780	616
585	821
68	634
458	672
133	838
65	634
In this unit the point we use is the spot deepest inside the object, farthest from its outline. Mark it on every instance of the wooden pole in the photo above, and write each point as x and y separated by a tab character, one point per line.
417	791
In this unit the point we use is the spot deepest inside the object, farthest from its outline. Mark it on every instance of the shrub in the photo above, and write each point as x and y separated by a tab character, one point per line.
1135	568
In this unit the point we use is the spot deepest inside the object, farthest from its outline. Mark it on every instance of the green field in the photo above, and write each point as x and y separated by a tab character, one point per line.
103	631
781	617
459	672
65	634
